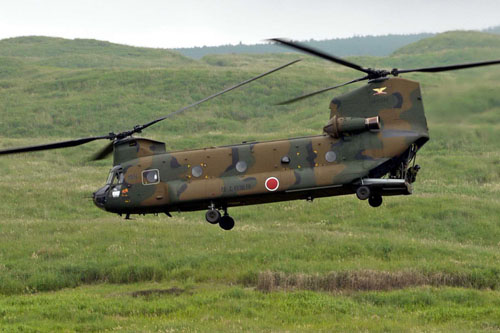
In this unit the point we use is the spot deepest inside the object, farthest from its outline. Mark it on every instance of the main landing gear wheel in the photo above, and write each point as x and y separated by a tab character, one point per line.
213	216
375	200
226	222
363	192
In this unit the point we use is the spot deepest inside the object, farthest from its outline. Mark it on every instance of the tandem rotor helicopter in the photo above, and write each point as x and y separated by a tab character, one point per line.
367	148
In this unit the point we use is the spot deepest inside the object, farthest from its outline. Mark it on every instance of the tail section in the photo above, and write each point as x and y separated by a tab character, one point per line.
398	104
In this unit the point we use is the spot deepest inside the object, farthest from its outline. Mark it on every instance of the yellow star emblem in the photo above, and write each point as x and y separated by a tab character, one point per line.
380	91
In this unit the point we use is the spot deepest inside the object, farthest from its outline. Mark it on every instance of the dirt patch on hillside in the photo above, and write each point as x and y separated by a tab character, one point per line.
365	280
153	292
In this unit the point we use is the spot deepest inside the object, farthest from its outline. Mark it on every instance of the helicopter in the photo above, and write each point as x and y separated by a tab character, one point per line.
367	148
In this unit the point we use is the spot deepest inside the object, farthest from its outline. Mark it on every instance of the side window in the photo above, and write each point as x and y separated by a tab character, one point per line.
150	177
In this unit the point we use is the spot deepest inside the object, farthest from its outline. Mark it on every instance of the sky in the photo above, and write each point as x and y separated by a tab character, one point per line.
187	23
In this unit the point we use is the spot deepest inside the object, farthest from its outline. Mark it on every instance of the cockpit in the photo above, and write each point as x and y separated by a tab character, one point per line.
113	184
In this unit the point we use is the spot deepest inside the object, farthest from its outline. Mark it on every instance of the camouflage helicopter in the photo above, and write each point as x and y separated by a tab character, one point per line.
367	148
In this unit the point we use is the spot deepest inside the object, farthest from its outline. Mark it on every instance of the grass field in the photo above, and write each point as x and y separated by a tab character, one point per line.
426	262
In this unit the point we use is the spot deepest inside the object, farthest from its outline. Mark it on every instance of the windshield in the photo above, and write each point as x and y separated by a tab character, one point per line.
115	176
110	178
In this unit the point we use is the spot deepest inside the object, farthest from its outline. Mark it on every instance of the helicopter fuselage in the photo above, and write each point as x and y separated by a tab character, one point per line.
147	179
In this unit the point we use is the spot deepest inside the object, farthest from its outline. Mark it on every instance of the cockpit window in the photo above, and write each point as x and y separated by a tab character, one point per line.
110	178
115	176
150	177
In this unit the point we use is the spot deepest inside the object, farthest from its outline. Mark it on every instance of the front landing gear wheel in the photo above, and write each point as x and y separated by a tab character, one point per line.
226	222
213	216
363	192
375	200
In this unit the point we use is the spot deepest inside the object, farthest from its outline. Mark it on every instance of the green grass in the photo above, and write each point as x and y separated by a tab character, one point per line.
67	266
224	308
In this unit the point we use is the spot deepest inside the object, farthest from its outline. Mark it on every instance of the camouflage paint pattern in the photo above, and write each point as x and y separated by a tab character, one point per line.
236	175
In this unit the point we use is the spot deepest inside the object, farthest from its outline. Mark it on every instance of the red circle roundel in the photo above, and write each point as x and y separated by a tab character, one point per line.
272	183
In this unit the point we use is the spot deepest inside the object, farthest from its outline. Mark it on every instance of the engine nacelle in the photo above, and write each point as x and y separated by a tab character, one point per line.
338	126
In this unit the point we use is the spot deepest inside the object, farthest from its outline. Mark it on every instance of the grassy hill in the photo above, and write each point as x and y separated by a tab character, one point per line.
454	40
86	53
426	262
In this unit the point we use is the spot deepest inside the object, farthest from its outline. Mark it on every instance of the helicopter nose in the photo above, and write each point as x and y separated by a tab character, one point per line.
99	196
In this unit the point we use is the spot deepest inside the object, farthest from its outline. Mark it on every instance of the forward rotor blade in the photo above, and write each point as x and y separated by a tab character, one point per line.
140	128
296	99
446	68
103	153
318	53
55	145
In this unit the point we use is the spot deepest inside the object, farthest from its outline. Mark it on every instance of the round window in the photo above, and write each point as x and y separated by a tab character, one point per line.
196	171
285	160
241	166
150	177
330	156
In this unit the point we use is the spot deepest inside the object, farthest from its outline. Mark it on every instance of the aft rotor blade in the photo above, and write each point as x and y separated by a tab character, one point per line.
103	153
318	53
140	128
296	99
55	145
446	68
